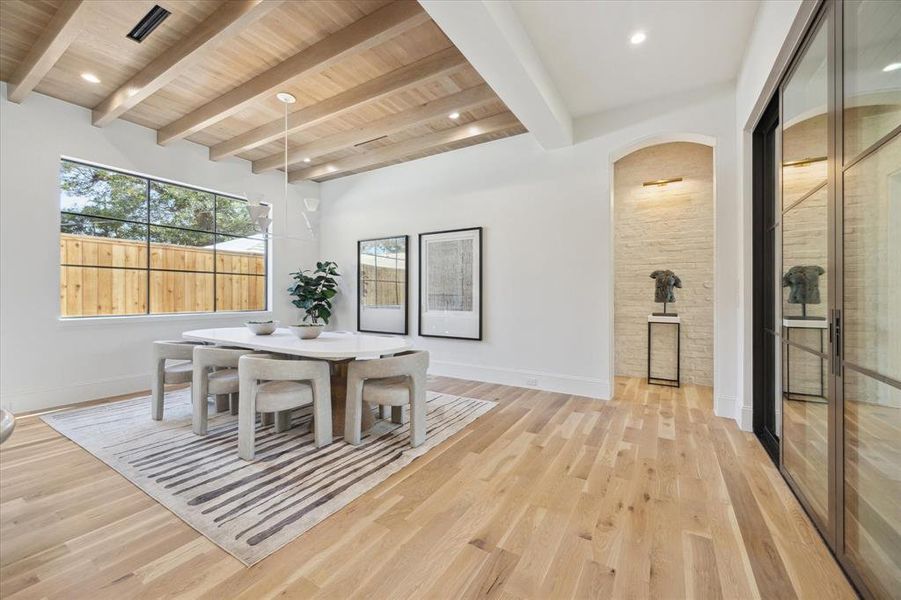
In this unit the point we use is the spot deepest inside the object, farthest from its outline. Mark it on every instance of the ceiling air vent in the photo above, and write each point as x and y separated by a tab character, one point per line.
150	22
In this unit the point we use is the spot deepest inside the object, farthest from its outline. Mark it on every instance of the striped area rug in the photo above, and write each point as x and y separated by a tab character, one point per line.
250	509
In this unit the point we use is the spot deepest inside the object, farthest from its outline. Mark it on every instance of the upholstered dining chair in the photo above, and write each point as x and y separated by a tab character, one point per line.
280	385
179	370
397	381
215	372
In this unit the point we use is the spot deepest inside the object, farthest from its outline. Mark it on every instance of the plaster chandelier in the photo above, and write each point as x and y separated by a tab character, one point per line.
260	212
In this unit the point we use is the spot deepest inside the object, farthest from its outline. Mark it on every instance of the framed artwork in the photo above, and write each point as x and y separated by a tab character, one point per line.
450	284
382	279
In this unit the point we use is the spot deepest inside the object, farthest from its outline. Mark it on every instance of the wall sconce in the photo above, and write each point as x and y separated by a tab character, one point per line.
661	182
803	162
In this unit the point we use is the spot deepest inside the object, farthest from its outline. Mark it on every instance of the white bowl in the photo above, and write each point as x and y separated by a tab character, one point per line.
306	332
262	328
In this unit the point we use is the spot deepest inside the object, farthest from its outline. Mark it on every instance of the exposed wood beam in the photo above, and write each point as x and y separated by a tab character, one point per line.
373	29
62	29
474	96
226	21
499	122
493	39
431	67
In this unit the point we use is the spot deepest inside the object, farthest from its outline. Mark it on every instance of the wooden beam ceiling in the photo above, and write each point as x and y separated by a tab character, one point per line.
440	108
417	73
52	43
375	79
400	150
389	21
228	20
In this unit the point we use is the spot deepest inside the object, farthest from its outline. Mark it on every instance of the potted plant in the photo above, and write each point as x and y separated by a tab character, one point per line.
313	292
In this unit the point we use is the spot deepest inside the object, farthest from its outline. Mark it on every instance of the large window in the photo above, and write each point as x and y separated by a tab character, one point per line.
131	245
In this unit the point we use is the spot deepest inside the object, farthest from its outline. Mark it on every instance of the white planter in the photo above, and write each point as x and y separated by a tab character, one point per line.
307	332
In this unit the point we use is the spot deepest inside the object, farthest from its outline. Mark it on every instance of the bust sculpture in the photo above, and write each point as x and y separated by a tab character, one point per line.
803	282
664	282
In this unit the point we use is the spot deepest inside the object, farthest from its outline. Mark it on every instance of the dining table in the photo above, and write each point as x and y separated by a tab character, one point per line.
338	348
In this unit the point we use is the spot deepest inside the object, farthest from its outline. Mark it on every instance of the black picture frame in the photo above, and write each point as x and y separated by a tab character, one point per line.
406	329
479	282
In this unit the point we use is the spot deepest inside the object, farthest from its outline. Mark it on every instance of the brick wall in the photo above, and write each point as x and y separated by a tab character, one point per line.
669	227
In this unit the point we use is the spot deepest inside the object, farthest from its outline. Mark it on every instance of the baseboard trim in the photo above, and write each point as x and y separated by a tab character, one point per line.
746	420
35	400
724	406
578	385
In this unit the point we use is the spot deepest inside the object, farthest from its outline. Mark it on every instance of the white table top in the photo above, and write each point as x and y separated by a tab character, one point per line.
328	346
662	319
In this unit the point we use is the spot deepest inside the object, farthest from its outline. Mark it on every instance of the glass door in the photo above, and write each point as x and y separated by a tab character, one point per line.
868	316
806	276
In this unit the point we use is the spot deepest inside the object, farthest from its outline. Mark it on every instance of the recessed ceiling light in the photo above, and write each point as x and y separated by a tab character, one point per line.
891	67
454	115
286	97
638	37
90	77
306	160
331	168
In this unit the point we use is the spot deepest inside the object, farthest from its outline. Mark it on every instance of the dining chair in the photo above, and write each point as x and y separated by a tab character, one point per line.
279	385
215	372
397	381
179	371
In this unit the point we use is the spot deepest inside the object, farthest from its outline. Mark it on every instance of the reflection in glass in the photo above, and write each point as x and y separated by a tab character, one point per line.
93	292
872	72
180	249
805	122
383	285
805	283
178	292
178	206
873	481
805	416
872	259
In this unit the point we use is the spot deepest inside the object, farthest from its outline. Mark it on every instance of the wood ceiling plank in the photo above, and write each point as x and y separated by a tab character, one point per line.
414	74
371	30
228	20
429	111
499	122
60	32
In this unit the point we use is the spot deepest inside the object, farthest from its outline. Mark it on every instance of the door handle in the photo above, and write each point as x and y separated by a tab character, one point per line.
837	341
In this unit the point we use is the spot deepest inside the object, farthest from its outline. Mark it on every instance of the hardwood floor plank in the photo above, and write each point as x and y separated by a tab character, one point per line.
548	496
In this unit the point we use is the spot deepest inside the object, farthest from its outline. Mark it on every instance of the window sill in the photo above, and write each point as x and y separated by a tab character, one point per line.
116	321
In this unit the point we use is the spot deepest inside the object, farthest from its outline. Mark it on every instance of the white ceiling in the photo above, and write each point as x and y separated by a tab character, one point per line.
584	47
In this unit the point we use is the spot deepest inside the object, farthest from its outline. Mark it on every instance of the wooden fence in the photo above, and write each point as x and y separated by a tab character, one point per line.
89	287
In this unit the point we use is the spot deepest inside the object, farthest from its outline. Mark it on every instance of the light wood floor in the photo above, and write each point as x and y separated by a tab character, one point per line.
548	496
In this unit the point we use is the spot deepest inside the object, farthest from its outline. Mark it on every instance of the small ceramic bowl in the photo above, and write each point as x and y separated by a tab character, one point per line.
262	327
307	332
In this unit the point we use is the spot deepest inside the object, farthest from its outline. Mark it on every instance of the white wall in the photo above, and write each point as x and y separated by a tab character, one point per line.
47	362
547	250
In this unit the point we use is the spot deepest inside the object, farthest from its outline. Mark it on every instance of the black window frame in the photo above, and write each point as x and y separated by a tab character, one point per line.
148	225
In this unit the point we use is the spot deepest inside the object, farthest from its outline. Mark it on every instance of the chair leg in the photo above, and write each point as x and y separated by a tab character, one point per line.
398	415
233	402
282	421
221	403
266	418
247	420
158	386
353	412
418	424
199	388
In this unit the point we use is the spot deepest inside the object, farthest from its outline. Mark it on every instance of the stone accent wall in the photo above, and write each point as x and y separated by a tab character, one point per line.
668	227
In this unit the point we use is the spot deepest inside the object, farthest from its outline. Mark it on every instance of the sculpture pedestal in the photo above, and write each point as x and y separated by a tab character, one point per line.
665	320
